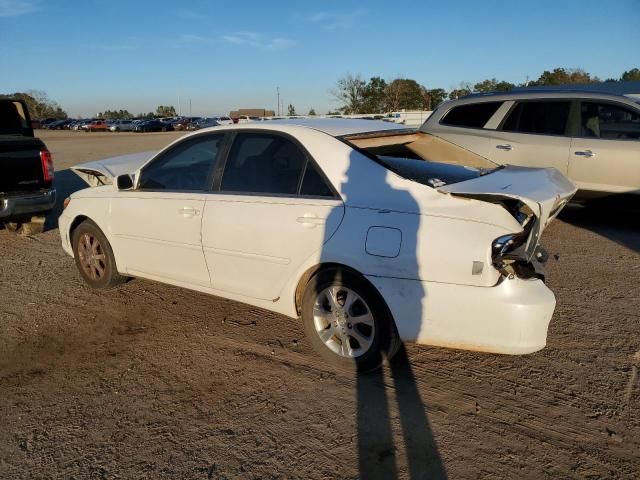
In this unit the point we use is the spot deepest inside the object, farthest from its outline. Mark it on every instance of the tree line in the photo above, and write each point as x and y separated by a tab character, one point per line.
375	96
40	106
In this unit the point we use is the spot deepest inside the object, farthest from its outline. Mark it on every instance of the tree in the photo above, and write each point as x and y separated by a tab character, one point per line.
291	110
166	111
436	96
40	106
632	75
459	93
374	95
404	93
312	112
349	92
562	76
492	85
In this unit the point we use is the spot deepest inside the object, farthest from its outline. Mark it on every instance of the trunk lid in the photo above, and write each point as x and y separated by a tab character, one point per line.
544	190
103	172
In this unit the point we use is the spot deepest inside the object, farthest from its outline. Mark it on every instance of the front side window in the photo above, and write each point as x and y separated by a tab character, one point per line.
541	117
185	167
474	115
263	163
608	121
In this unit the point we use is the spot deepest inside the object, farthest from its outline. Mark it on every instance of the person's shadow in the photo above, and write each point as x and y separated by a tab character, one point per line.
366	186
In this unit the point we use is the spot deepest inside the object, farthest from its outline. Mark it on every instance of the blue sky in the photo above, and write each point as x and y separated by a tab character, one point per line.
112	54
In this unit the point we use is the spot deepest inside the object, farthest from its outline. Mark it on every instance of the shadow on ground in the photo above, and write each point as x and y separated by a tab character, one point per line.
66	182
376	450
615	219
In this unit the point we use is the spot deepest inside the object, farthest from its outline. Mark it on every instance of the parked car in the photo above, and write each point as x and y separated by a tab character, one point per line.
79	124
122	126
26	170
592	138
153	126
57	125
370	232
95	126
248	119
223	120
203	123
183	123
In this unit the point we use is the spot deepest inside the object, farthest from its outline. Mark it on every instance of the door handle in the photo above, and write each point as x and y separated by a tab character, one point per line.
310	220
188	211
584	153
504	146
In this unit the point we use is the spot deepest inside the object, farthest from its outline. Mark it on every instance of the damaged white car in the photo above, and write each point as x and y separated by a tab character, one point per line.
371	233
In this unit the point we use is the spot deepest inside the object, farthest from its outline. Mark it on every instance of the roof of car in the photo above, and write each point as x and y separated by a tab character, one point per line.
547	93
336	127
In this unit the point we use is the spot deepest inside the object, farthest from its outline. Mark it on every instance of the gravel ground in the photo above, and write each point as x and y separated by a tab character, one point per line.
152	381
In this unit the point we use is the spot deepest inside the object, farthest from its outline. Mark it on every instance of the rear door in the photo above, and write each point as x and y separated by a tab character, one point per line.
534	133
157	227
272	210
605	152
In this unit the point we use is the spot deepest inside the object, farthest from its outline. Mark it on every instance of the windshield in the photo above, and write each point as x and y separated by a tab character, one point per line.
422	157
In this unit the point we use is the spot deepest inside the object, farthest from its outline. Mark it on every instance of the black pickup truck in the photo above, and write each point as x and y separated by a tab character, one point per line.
26	169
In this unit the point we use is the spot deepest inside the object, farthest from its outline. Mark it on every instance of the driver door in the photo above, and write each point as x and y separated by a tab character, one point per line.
157	226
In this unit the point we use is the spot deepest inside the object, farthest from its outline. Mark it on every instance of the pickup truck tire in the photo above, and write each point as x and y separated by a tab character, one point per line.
94	257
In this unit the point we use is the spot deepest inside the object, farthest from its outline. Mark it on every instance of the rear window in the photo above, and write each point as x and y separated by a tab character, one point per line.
546	118
423	158
13	119
474	115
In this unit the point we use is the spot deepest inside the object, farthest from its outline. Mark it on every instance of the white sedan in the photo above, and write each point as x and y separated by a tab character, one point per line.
369	232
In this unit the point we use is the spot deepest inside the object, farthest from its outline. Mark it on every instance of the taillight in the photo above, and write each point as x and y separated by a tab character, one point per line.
47	165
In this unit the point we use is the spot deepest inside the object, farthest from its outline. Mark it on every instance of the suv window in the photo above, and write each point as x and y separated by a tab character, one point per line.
542	117
604	120
263	163
474	115
185	167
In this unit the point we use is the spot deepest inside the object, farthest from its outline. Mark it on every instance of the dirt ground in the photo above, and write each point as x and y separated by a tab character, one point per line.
152	381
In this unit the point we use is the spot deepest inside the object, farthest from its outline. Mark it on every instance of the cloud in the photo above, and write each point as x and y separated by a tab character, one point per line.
191	38
13	8
260	41
334	20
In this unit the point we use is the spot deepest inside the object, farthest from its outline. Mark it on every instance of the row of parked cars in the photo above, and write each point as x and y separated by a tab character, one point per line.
136	125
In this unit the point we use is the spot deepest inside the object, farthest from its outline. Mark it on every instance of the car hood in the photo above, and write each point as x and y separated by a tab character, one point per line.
102	172
544	190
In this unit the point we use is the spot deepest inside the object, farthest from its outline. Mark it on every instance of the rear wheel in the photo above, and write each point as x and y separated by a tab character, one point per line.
347	321
94	257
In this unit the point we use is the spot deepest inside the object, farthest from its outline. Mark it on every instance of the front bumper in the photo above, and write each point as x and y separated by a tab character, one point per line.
63	227
511	317
27	204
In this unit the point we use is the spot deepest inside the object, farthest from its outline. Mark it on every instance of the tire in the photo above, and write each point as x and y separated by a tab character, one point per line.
369	341
164	129
99	271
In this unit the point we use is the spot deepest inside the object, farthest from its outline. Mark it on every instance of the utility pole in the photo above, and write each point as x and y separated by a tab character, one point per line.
278	94
190	108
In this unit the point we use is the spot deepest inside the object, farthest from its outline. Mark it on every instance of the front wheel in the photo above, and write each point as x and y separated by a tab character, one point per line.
348	322
94	257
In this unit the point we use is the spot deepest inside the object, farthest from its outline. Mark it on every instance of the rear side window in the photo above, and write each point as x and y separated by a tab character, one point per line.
185	167
474	115
608	121
263	163
313	184
546	118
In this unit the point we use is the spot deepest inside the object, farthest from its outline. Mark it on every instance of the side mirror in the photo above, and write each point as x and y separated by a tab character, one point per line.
124	182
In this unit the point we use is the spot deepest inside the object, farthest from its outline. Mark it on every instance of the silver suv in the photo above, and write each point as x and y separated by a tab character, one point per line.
592	138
